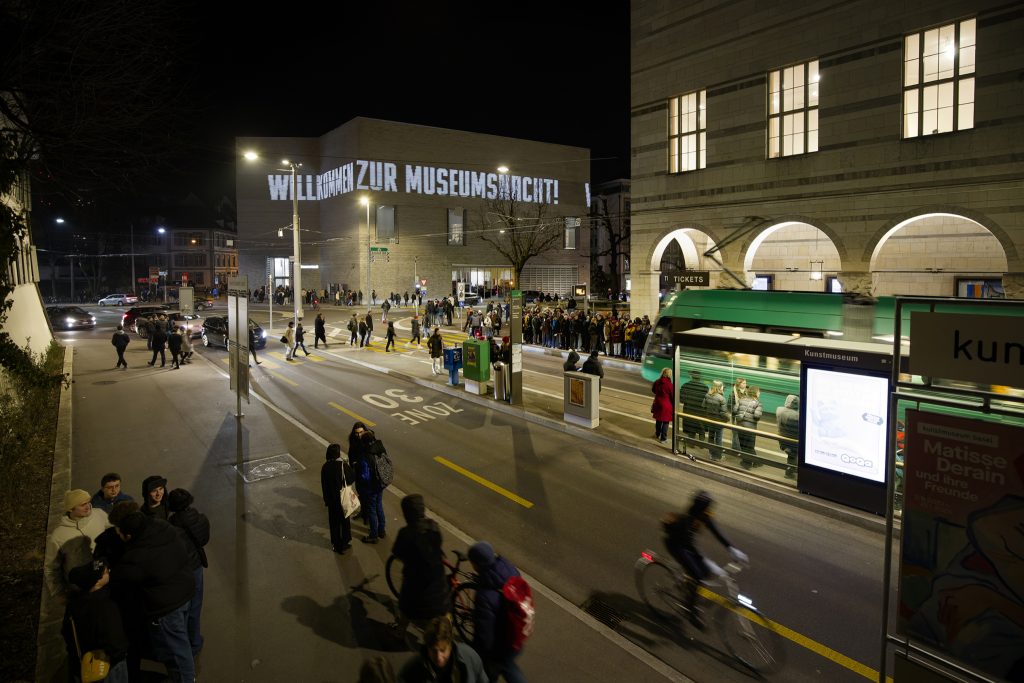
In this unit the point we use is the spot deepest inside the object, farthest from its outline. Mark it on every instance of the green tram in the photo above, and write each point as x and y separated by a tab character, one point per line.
805	314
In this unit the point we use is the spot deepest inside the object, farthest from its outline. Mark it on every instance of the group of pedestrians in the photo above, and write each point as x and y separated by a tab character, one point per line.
608	334
425	598
708	408
131	577
163	337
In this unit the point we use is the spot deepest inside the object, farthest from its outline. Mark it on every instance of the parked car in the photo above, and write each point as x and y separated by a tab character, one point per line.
215	332
146	321
70	318
118	300
201	301
128	319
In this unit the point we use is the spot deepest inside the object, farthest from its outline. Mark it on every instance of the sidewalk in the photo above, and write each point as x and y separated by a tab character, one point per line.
626	423
279	605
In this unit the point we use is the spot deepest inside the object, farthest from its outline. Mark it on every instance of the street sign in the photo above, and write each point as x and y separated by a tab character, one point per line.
693	278
423	282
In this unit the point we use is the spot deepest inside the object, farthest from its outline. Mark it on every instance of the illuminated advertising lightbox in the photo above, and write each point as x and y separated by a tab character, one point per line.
845	420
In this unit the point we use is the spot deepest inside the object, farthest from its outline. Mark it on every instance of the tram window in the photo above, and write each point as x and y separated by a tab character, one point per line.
659	344
763	283
833	285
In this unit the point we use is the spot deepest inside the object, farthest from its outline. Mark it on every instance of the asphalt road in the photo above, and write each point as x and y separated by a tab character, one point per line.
584	512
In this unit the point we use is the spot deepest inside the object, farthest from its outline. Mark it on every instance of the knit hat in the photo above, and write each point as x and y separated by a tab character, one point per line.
85	577
482	554
178	500
74	498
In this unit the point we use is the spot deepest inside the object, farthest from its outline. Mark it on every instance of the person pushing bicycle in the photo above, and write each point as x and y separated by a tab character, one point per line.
681	532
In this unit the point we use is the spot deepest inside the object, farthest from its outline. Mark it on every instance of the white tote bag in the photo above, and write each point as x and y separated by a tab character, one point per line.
349	497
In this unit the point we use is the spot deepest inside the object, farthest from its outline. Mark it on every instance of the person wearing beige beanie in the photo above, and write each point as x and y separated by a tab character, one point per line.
72	541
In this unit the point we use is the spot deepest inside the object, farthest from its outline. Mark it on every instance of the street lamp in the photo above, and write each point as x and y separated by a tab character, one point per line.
296	245
252	156
165	269
365	201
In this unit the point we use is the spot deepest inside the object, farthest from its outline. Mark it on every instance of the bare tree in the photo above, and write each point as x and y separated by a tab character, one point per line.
519	230
613	240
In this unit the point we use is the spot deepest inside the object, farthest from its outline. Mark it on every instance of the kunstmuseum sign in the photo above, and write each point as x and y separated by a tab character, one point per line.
386	176
988	349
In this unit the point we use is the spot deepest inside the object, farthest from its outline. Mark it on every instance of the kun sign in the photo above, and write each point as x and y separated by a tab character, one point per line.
384	176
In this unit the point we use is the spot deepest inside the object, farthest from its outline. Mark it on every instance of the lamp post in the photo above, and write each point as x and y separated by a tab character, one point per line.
296	243
131	228
370	256
161	230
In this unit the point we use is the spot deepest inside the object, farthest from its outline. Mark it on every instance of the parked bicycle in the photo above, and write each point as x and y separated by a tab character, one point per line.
463	589
748	635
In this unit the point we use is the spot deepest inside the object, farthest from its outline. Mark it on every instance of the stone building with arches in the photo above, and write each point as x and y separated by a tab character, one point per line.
865	147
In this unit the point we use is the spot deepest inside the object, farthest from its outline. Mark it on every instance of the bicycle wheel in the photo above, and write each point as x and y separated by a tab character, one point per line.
393	573
751	638
661	591
463	601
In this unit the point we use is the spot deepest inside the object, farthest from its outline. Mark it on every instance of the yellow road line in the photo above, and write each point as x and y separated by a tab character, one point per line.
798	638
284	379
348	412
483	482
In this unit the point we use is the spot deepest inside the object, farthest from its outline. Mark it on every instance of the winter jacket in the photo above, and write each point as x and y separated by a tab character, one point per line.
174	342
470	667
334	474
788	420
435	345
425	591
70	545
664	392
98	501
158	339
692	395
289	334
491	639
300	335
156	566
570	362
749	412
196	529
120	339
98	626
592	366
714	409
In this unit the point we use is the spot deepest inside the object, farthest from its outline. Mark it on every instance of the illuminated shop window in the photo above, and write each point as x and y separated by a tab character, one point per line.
793	110
687	132
938	79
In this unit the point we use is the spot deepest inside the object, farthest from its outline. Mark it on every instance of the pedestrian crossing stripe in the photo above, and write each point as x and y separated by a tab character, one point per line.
265	364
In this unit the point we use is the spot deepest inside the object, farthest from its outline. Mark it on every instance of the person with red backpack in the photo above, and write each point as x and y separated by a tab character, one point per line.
502	615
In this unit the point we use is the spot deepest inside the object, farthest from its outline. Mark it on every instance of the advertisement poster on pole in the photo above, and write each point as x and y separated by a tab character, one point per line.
962	558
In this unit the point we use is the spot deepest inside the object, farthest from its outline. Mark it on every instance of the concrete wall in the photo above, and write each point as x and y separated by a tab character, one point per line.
866	179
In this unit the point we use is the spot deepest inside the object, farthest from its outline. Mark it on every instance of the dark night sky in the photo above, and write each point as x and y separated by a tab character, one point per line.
550	71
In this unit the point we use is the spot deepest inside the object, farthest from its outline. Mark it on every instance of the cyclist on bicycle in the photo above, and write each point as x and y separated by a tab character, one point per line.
680	539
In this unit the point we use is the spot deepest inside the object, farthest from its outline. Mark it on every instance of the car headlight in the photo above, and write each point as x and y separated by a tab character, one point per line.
69	321
264	335
92	318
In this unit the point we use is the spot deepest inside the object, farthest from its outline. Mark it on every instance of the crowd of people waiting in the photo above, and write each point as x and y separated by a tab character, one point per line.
131	578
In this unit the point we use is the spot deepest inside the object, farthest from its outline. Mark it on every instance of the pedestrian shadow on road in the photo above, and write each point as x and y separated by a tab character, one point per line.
302	523
633	619
346	620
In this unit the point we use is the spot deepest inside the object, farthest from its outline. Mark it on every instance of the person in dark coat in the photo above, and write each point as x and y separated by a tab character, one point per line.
319	331
154	489
158	342
195	527
300	340
252	345
787	419
692	396
425	591
92	620
174	346
436	347
661	409
335	474
592	366
373	489
389	334
155	569
570	361
356	456
415	338
491	639
369	327
120	341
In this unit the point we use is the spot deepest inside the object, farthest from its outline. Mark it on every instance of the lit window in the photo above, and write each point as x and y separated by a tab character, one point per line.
938	79
456	227
793	110
387	227
572	226
687	132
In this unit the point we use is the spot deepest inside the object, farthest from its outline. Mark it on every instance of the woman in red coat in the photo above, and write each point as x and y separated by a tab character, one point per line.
662	406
